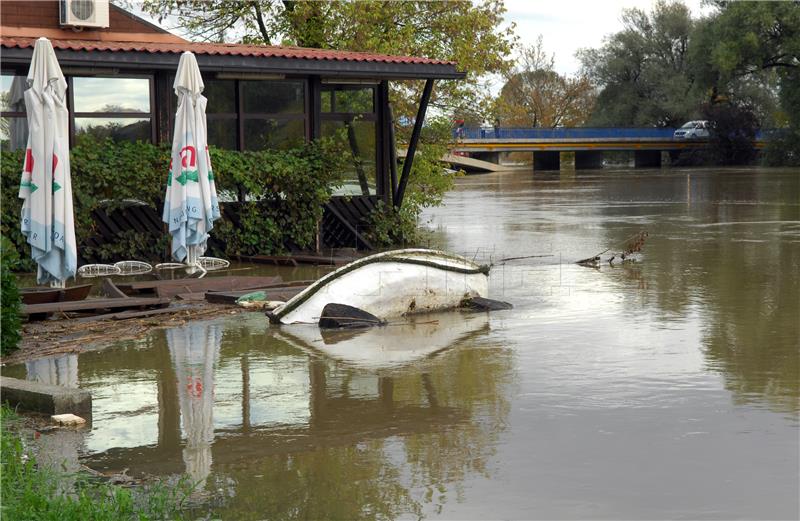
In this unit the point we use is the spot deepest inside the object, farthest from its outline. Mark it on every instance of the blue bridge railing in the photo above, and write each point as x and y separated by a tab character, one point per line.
562	133
577	133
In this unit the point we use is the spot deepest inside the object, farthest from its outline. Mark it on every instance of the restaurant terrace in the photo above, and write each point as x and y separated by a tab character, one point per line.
120	85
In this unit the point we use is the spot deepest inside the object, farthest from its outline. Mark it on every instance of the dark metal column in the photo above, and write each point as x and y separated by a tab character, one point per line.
412	145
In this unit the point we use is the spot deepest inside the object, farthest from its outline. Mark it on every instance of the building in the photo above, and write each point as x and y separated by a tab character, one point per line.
120	85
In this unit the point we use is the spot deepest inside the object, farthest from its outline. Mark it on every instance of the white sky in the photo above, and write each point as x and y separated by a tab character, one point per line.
569	25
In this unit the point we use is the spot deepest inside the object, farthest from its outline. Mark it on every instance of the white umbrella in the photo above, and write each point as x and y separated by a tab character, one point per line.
190	205
194	350
47	216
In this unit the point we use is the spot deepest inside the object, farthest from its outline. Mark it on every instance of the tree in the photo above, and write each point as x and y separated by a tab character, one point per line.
643	70
465	32
746	44
535	95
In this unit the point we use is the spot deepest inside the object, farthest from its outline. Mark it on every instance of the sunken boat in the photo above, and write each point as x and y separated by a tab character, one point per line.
390	284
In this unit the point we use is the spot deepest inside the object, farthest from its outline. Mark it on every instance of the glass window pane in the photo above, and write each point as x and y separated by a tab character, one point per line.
274	97
358	101
111	94
360	178
273	133
11	93
221	96
326	97
222	133
13	133
130	129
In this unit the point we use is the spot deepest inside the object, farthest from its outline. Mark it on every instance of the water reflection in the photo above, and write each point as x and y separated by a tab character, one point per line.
244	408
54	370
194	350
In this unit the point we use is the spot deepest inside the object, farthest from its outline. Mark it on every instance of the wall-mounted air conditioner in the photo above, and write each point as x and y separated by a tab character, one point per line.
84	13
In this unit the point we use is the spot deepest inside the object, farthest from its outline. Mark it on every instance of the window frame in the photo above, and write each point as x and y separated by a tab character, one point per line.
115	115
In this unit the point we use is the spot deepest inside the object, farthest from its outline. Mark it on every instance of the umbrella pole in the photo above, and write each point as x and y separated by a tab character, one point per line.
193	261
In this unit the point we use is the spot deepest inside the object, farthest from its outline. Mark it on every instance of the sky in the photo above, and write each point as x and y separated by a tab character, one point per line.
569	25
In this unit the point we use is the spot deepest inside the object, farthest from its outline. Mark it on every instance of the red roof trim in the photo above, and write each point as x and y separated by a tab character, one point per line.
222	49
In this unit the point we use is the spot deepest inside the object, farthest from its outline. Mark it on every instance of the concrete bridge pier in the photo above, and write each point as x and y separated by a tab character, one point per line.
546	161
647	159
589	159
491	157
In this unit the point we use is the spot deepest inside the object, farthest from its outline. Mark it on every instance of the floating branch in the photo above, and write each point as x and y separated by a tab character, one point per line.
630	246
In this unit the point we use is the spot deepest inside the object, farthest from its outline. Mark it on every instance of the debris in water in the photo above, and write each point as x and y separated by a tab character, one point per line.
632	247
67	420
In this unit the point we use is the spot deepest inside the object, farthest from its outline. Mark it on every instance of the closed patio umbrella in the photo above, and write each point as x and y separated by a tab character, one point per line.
190	205
47	215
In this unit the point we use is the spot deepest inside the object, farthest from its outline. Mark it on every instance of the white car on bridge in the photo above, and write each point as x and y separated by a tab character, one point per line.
693	130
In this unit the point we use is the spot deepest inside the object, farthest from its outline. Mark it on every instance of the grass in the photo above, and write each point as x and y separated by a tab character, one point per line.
33	492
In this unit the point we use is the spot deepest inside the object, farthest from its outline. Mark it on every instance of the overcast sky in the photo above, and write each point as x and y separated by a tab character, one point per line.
565	25
569	25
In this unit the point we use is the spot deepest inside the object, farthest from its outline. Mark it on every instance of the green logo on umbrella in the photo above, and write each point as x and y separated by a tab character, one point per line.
187	176
28	184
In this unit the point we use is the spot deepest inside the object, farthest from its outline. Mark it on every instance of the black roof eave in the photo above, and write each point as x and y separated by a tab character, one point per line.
251	64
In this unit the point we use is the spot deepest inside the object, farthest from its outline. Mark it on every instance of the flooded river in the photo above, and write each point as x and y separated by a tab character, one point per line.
665	389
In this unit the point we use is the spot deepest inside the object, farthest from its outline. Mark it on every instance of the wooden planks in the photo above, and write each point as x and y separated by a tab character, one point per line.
42	295
97	306
298	259
279	292
171	288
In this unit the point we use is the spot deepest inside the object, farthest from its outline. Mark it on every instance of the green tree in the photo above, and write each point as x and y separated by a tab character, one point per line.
643	70
466	32
749	52
535	95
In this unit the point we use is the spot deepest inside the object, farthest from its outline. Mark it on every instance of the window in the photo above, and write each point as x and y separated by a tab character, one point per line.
351	109
113	107
256	114
13	122
273	113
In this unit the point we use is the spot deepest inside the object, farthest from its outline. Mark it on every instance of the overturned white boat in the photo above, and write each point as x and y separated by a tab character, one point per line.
390	284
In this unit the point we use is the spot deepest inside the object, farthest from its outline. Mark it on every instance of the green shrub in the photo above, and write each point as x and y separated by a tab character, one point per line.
283	192
427	184
32	491
9	295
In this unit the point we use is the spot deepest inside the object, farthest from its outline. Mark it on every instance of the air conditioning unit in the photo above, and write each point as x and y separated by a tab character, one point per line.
84	13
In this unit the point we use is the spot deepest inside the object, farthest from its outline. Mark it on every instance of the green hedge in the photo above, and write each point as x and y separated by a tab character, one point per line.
284	193
10	325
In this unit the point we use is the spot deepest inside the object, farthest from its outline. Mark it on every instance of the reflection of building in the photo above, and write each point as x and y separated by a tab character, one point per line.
54	370
120	85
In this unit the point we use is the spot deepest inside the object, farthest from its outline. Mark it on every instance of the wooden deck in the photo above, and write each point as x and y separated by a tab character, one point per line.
96	306
276	292
172	288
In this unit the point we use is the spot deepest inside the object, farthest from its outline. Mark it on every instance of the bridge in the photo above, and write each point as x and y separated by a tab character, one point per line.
587	144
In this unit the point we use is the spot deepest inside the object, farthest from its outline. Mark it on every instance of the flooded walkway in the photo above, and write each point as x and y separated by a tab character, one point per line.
665	389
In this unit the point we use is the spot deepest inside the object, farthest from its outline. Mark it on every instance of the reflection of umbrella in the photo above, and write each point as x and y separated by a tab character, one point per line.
18	127
195	350
190	206
47	219
54	370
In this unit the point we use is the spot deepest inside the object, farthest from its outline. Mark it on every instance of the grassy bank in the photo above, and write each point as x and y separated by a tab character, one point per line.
33	492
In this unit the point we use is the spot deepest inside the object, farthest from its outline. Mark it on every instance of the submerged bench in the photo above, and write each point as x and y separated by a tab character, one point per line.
44	398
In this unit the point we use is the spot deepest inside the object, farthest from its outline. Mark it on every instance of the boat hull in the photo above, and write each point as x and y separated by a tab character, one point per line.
391	284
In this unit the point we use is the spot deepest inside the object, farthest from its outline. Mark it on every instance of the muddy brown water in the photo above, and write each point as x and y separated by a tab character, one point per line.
661	390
